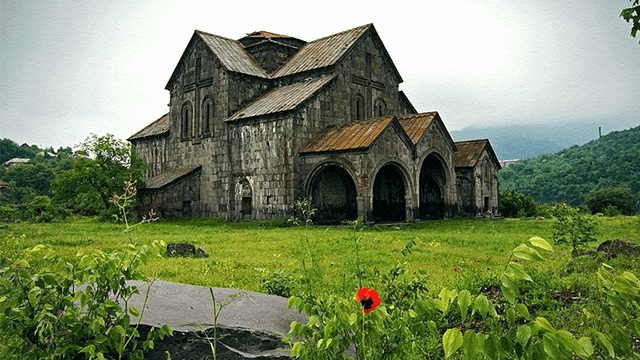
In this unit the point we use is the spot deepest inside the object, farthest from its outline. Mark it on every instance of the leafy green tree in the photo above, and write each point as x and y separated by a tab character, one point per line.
9	150
513	204
632	15
94	179
598	200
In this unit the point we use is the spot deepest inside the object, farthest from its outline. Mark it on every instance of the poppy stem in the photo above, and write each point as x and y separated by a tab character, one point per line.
364	348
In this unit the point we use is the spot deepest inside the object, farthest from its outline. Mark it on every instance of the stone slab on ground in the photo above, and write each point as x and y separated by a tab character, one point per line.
251	321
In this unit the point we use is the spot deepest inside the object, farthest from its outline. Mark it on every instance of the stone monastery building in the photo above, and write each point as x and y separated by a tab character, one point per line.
258	123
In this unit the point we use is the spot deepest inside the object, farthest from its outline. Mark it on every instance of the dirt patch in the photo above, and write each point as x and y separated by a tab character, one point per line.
611	248
617	247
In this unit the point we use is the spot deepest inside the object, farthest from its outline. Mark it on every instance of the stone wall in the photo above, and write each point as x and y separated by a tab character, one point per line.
180	199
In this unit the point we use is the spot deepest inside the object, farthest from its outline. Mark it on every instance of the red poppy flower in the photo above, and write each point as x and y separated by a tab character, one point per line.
455	269
515	260
368	298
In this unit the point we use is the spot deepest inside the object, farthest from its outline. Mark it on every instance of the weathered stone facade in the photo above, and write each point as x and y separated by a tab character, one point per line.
258	123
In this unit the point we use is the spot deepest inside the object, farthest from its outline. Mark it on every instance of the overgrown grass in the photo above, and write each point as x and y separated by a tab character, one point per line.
242	253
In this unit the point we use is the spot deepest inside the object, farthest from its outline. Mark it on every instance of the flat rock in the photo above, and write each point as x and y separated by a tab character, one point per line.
251	322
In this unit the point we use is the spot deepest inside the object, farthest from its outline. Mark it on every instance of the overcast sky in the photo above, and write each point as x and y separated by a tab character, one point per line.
71	68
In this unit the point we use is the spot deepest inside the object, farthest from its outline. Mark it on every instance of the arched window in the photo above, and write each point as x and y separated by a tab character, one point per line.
186	121
357	112
380	108
207	116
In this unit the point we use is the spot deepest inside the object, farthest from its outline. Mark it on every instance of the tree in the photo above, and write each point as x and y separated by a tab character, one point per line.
94	179
598	200
632	15
513	204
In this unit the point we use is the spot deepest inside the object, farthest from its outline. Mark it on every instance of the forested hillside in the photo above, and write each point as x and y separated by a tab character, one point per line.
568	175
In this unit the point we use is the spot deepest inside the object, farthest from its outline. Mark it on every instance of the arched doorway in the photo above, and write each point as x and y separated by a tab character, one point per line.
389	203
333	195
432	181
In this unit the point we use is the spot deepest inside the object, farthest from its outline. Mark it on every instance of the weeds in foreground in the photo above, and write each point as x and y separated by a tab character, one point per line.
52	308
414	324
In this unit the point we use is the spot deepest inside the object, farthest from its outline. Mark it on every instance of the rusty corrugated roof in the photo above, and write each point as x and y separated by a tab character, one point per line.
351	136
232	55
416	124
468	152
322	52
282	98
158	127
170	176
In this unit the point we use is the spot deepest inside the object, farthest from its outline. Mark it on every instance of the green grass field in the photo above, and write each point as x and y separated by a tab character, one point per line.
242	253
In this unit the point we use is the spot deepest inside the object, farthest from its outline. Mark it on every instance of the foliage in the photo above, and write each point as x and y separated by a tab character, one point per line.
45	313
569	175
9	150
33	178
632	15
598	200
572	227
513	204
93	180
470	325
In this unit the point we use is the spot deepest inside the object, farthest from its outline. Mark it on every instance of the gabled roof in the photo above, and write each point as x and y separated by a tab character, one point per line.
350	136
328	51
158	127
170	176
230	53
469	153
322	52
283	98
416	124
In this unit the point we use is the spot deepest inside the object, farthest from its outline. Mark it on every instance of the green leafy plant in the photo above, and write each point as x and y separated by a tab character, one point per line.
573	228
58	308
54	308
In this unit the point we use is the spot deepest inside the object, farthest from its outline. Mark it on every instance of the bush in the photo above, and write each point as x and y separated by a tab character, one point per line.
572	227
611	211
45	314
600	199
513	204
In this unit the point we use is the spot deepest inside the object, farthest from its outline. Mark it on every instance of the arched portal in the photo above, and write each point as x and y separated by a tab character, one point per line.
389	203
333	195
432	181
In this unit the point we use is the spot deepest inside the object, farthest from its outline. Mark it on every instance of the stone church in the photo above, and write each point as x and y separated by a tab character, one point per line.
258	123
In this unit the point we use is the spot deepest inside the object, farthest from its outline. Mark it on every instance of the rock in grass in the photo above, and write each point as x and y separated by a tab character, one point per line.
185	249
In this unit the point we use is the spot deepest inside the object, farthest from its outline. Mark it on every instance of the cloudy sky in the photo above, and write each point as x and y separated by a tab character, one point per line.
71	68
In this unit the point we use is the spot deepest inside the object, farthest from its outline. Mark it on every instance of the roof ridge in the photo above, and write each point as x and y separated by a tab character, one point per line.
341	32
215	35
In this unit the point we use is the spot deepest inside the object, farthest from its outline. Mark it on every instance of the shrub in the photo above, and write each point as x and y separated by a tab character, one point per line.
44	313
600	199
572	227
513	204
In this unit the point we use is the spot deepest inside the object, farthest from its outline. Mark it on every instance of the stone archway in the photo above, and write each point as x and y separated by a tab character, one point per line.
432	181
333	195
389	195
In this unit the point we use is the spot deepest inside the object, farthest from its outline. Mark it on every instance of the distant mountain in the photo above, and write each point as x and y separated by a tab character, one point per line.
525	141
570	174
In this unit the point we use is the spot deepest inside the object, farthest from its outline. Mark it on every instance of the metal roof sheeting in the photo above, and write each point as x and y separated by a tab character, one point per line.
232	55
322	52
158	127
170	176
416	124
468	152
282	98
351	136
